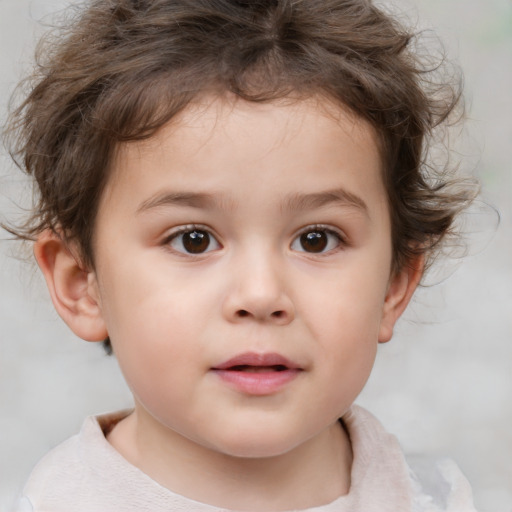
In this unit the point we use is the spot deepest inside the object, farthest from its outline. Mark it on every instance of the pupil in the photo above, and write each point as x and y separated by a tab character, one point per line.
314	241
196	241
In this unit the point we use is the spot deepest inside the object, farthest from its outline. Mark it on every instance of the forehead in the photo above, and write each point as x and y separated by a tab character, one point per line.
220	139
230	115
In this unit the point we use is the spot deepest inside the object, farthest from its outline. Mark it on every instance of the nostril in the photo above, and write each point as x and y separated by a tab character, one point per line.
242	313
278	314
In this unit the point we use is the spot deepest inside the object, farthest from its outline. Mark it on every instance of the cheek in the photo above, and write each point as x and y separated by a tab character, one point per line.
145	319
344	318
155	351
346	303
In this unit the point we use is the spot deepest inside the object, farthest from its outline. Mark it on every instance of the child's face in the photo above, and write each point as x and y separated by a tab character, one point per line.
243	261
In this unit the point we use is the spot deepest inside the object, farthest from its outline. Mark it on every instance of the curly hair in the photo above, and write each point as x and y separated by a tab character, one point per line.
119	70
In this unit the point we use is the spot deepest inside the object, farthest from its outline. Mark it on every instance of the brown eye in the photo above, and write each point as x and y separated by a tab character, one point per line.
193	241
314	241
196	241
317	240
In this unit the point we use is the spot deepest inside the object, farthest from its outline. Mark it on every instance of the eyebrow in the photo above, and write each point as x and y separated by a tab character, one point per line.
339	196
190	199
294	202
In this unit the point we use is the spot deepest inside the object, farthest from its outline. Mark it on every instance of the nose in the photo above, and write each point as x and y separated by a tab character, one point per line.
258	292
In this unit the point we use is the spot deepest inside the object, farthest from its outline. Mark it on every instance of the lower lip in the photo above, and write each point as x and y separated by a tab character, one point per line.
258	383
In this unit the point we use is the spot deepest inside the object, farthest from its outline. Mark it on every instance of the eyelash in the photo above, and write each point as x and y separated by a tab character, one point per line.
319	228
190	228
212	239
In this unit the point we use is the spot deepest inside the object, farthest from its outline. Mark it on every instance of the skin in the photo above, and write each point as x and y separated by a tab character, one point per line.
255	177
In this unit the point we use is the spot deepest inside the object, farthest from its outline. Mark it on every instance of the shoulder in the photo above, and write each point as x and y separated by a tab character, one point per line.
86	474
430	485
68	471
53	476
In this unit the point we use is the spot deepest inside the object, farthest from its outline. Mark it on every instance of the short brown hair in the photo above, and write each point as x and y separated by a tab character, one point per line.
121	69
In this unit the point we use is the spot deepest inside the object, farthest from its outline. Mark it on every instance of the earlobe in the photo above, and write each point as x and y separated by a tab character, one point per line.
72	288
400	291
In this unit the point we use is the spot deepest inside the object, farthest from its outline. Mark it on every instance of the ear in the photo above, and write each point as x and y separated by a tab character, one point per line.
400	290
73	289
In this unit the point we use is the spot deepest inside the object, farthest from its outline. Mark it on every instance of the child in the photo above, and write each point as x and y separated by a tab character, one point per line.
233	195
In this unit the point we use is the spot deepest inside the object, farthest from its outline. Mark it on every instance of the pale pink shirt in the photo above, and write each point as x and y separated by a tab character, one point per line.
86	474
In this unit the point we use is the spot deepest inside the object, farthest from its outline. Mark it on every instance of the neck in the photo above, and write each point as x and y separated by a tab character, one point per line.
312	474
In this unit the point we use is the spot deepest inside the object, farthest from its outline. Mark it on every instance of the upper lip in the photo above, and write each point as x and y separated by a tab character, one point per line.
257	360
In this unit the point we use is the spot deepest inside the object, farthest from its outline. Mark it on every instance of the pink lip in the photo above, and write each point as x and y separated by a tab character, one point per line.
258	374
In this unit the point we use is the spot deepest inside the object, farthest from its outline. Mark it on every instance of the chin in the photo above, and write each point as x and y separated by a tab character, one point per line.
255	451
258	444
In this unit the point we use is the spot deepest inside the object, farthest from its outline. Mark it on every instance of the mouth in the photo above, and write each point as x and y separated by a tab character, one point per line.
257	374
258	363
257	369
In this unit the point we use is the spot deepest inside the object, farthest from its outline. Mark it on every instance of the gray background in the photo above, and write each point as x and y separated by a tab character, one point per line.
443	384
